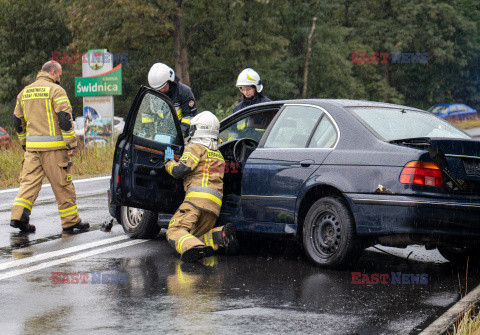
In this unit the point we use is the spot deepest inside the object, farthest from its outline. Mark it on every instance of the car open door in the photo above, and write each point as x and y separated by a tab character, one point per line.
139	178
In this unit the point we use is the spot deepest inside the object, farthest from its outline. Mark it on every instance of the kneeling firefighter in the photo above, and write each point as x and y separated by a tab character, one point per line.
191	230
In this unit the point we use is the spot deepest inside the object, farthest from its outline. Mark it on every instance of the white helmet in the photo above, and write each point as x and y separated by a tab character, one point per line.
249	77
204	125
159	75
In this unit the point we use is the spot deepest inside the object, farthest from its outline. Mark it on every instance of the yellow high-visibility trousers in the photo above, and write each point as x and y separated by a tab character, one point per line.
56	166
190	227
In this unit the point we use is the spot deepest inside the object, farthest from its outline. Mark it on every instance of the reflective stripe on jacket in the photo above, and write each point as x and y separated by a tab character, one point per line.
202	172
37	107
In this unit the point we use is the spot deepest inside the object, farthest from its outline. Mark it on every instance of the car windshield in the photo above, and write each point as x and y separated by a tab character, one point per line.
2	132
438	109
397	123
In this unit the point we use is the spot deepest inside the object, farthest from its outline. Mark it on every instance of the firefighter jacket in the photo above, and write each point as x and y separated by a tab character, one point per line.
202	172
184	103
256	99
43	116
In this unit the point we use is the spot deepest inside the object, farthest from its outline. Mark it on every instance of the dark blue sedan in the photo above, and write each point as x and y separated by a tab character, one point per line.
336	175
453	111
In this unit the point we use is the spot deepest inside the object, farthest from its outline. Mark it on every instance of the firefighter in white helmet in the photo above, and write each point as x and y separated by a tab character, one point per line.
162	78
250	85
191	230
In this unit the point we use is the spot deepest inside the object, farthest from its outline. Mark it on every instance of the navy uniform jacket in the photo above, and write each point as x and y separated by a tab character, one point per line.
184	103
256	99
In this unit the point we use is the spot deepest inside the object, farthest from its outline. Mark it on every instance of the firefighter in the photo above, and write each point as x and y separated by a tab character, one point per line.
250	85
191	230
43	121
162	78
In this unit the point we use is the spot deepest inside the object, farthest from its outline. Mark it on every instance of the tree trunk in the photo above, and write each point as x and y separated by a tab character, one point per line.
309	52
180	47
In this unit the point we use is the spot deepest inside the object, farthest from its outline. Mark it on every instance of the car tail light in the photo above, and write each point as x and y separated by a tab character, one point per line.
422	173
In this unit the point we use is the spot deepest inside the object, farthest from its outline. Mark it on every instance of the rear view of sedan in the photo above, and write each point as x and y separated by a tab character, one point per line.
335	175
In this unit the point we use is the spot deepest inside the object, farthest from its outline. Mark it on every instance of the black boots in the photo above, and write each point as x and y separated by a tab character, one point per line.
227	239
79	226
196	253
23	226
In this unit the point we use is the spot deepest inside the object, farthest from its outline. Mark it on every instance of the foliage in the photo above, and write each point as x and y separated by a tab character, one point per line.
29	31
225	36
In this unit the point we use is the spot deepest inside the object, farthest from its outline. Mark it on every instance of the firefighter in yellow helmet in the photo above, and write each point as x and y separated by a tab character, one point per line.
191	230
43	121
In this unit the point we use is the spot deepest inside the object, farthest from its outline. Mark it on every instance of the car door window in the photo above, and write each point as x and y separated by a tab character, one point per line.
325	135
252	126
293	127
154	121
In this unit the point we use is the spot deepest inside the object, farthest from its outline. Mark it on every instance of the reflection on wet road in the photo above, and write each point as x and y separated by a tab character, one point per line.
106	283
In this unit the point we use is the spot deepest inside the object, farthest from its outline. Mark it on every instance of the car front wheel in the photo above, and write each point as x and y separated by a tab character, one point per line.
329	237
139	223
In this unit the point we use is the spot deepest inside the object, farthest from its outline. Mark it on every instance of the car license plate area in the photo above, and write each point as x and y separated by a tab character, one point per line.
472	166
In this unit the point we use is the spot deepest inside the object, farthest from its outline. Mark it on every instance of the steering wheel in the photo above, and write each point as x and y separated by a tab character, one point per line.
243	148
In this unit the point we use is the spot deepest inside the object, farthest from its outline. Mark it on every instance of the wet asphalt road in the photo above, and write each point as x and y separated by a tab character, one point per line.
140	286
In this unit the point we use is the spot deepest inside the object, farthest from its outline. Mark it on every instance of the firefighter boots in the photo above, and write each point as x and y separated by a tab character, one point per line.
227	239
79	226
23	226
195	253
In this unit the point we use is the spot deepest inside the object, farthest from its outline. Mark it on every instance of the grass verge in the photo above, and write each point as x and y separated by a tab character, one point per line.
466	123
88	162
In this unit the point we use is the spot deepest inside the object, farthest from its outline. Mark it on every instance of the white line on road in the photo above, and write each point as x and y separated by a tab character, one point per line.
61	252
48	185
67	259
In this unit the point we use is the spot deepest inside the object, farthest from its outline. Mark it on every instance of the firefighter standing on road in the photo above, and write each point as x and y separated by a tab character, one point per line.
250	85
162	78
43	121
191	230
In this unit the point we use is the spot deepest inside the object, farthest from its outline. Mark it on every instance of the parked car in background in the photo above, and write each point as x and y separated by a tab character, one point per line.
337	176
453	111
5	139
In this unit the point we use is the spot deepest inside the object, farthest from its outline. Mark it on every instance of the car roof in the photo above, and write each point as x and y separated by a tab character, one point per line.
342	103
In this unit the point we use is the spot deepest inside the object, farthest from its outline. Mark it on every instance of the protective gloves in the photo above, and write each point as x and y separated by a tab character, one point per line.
168	153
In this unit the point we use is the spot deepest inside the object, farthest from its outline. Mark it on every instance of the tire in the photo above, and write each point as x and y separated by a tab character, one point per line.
460	255
329	236
139	223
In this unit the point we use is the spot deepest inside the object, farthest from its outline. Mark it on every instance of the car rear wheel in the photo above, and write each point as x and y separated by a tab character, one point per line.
139	223
460	255
329	237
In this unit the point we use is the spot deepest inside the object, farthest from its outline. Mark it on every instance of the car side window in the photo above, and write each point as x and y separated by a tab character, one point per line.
325	135
155	121
293	127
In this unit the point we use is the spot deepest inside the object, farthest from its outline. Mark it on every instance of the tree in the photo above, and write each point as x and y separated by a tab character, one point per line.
29	32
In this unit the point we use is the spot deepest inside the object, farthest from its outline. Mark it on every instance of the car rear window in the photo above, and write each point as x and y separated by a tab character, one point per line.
2	132
397	123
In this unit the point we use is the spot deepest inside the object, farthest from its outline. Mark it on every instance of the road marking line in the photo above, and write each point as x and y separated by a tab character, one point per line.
67	259
48	185
60	252
441	325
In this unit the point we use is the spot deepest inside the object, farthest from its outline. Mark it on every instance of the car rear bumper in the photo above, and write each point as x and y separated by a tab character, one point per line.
381	214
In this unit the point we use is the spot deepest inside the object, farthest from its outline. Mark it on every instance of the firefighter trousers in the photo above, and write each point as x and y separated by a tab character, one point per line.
191	227
56	166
